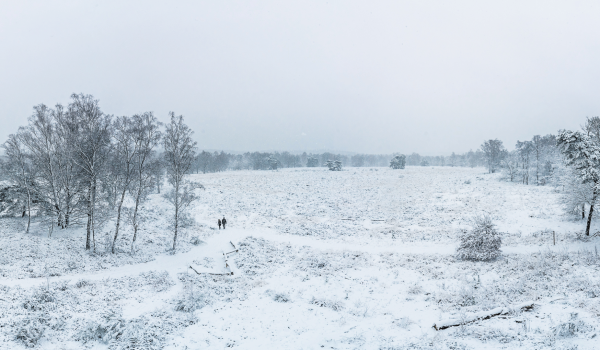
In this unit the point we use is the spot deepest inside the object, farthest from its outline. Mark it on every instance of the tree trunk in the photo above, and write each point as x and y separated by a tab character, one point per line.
28	210
118	220
90	215
589	221
176	200
583	211
135	224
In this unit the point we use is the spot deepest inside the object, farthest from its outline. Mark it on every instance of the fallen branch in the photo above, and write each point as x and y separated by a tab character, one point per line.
483	315
210	273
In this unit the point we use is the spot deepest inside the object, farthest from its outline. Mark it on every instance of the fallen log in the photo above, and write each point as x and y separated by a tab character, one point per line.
213	274
483	315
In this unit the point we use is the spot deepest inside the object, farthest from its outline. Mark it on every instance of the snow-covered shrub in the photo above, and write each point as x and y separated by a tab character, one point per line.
398	162
38	300
332	304
480	243
108	327
30	331
465	296
82	283
281	297
160	281
571	328
415	288
191	298
141	334
334	165
61	286
196	240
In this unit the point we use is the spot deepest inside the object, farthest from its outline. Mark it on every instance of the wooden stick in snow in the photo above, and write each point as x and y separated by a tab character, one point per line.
483	315
210	273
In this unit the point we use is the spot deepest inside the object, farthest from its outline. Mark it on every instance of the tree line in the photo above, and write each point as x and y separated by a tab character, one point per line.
570	161
212	162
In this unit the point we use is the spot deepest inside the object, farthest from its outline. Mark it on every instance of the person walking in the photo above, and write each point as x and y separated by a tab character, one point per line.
220	224
224	222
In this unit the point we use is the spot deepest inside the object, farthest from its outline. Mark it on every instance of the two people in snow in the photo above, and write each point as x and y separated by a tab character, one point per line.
222	222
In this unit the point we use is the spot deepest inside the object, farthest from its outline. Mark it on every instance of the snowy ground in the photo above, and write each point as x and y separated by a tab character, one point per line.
358	259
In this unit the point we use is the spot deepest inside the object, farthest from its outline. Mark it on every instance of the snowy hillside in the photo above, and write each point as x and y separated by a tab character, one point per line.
357	259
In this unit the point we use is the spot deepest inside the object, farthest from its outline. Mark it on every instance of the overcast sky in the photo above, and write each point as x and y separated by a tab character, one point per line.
358	76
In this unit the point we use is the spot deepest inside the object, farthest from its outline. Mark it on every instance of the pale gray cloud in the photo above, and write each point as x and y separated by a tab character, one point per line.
365	76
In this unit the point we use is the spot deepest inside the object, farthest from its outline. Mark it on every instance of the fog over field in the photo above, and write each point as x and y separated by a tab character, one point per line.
299	175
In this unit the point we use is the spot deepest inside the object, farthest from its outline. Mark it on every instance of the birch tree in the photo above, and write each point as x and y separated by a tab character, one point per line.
179	153
126	147
19	169
91	146
147	135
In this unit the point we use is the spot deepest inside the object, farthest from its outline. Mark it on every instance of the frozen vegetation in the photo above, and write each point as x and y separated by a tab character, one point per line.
362	258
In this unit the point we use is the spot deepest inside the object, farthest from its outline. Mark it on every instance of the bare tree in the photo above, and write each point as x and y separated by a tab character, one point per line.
19	168
179	153
147	135
91	147
524	150
41	140
511	165
493	151
126	146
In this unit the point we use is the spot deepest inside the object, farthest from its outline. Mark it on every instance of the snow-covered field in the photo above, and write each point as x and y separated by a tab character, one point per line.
358	259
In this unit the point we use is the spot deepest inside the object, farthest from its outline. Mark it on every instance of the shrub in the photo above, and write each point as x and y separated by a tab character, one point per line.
108	327
30	332
480	243
332	304
398	162
281	298
82	283
334	165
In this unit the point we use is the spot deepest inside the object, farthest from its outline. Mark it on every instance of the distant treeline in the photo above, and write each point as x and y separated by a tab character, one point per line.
211	162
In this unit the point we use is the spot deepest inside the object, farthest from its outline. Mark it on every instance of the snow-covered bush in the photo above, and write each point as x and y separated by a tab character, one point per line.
108	327
480	243
160	281
398	162
570	328
82	283
38	300
415	288
332	304
30	331
334	165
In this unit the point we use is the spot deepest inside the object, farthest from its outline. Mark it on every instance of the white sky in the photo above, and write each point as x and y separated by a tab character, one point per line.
362	76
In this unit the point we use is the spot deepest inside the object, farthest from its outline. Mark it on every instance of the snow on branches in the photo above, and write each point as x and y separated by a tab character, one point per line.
398	162
480	243
334	165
